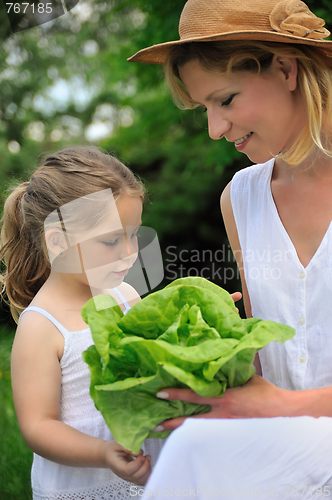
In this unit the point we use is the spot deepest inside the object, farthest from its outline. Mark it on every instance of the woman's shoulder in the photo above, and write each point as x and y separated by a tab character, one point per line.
242	178
253	172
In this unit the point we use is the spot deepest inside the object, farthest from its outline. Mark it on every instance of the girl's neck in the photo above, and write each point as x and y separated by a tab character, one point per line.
63	292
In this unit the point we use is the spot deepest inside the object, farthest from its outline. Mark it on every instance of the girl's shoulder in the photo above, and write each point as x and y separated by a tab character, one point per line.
124	294
38	332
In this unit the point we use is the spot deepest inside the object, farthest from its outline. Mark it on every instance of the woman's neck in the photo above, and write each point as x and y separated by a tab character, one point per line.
316	168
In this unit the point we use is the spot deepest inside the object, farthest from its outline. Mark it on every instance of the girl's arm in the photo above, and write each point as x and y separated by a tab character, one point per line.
36	382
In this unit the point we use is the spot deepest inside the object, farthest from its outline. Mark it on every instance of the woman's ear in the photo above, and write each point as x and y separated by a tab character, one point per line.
289	68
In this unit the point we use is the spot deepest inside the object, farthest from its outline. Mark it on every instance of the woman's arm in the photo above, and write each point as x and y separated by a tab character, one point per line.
258	398
36	382
233	237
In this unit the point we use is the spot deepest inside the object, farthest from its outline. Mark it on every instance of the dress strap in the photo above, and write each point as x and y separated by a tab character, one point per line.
47	315
123	300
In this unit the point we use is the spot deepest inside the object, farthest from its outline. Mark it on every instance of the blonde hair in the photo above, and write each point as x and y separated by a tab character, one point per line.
61	178
314	80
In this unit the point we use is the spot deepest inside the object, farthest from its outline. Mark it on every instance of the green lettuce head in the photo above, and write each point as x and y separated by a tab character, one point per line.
187	335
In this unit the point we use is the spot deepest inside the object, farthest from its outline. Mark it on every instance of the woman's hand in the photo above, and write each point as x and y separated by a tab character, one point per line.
236	296
255	399
135	468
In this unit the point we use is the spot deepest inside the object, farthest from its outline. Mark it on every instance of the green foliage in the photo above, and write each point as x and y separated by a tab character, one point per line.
15	457
81	57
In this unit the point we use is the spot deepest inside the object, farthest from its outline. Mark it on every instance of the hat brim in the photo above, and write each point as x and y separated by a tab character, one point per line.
156	54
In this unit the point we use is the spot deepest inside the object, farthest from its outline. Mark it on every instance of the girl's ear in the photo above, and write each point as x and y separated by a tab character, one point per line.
288	66
55	242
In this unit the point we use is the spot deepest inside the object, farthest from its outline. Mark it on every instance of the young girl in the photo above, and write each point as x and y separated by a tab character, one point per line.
263	73
67	235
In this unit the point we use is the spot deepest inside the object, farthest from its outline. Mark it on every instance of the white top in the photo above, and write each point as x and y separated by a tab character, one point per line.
280	288
52	481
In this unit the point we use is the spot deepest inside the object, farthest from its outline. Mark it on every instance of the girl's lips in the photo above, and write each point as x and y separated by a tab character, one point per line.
243	142
121	273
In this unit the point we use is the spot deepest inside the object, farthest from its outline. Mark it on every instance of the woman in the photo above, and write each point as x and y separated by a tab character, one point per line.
263	72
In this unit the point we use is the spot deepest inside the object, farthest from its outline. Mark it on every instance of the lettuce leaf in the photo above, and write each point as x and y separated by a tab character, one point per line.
187	335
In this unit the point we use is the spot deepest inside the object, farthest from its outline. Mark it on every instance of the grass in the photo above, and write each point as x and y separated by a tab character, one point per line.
15	456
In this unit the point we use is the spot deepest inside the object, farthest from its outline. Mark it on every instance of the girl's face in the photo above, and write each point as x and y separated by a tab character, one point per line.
111	250
102	256
262	114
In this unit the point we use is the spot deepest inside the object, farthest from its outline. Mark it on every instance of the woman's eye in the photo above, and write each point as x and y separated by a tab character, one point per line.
228	101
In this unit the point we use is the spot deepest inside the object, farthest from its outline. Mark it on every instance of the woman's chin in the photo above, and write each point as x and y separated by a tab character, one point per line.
258	157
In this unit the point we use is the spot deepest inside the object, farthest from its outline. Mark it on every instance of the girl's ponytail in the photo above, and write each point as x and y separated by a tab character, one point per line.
27	266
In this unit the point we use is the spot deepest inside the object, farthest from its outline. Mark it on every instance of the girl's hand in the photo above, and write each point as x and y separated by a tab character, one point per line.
135	468
258	398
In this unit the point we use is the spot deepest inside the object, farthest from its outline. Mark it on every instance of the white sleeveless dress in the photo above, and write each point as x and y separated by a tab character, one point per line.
52	481
280	288
284	457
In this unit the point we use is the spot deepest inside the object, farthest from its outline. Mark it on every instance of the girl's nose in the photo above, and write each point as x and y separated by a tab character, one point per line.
218	125
129	247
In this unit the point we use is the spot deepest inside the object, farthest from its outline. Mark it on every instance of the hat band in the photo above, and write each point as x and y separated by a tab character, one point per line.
288	17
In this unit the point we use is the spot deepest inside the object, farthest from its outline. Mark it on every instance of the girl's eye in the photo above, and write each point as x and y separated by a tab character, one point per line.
228	101
110	243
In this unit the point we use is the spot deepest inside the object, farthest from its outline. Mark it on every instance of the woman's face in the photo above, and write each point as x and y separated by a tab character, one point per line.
262	114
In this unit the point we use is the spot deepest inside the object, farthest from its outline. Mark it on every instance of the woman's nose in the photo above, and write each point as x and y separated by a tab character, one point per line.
218	125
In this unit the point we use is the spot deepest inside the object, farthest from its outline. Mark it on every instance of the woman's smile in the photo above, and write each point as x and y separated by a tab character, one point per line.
241	143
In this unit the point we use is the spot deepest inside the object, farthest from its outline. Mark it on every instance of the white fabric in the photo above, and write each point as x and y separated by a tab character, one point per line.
52	481
253	458
123	300
280	288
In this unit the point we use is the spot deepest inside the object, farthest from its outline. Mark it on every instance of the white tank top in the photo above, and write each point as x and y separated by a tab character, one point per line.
280	288
52	481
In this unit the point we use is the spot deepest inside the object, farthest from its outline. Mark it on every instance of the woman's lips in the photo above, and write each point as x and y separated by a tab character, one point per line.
241	143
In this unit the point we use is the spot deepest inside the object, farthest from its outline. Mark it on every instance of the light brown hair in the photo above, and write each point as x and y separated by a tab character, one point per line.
314	80
61	178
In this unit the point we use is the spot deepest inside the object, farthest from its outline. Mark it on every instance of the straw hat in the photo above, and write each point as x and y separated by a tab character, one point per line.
265	20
